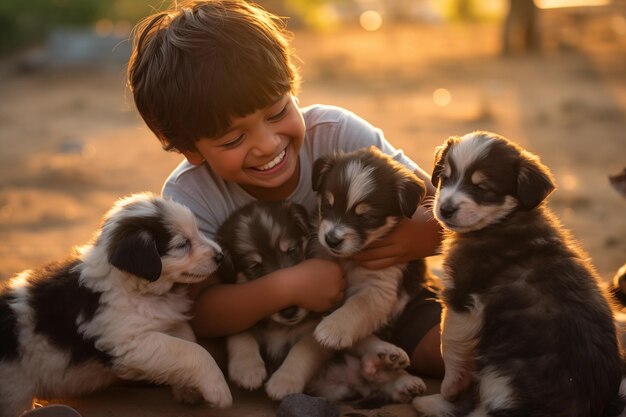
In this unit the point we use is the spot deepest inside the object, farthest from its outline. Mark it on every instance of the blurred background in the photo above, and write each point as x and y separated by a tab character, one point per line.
548	74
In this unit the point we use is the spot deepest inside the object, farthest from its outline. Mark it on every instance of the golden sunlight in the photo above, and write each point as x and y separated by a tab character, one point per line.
556	4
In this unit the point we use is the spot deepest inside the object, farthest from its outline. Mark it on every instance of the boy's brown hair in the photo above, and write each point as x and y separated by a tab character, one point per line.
201	63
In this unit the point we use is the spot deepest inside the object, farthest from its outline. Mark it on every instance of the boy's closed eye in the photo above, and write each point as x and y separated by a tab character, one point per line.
233	143
278	116
272	119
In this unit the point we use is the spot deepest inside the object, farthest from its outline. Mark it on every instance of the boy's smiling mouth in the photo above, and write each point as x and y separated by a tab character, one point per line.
271	164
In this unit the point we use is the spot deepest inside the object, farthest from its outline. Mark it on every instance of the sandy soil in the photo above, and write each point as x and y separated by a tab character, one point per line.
71	142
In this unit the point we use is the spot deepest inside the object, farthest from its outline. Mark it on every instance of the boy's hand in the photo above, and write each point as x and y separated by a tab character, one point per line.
317	285
393	249
411	239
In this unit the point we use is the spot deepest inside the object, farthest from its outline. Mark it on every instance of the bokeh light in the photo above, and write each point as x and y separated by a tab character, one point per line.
371	20
442	97
569	182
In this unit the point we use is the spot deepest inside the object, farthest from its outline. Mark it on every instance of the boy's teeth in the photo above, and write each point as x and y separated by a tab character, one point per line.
273	162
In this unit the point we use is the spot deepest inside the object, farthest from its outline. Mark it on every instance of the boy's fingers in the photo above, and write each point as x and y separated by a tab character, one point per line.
379	263
373	253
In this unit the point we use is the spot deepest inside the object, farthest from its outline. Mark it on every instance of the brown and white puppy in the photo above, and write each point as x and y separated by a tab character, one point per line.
527	330
114	309
363	196
263	237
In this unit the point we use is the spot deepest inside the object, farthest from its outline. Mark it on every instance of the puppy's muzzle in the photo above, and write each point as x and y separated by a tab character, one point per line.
218	258
447	210
332	240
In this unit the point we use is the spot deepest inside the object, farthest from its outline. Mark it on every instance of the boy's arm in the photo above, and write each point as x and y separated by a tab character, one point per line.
414	238
223	309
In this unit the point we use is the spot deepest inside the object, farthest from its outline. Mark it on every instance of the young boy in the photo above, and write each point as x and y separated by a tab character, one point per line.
214	80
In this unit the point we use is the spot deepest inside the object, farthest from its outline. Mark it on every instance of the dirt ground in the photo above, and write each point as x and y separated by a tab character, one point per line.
71	142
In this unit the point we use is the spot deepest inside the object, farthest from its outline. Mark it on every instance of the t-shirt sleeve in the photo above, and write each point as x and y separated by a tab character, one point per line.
207	221
338	130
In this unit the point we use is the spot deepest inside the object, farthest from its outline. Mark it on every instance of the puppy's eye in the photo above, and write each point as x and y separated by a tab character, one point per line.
482	187
186	244
364	216
325	205
253	266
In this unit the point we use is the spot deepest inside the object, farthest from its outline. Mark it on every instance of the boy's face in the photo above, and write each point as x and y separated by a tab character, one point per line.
259	152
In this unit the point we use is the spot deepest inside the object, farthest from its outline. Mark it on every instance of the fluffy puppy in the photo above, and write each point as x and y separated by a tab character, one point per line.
362	196
260	238
527	330
263	237
115	308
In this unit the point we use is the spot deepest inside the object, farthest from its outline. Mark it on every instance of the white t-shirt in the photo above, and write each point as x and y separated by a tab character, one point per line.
329	130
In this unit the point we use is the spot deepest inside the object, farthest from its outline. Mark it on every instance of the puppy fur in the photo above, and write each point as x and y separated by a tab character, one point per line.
114	309
362	196
527	330
263	237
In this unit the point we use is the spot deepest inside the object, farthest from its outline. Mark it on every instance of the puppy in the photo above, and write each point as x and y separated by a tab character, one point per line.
260	238
362	196
263	237
527	331
115	309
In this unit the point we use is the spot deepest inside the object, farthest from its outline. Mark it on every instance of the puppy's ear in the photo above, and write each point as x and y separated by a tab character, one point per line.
301	217
138	255
534	181
440	157
411	193
321	167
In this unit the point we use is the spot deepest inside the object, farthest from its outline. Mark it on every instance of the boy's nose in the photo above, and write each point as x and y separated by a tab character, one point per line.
267	143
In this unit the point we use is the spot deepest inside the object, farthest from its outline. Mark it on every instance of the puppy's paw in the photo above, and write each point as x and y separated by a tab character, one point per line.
332	335
187	395
433	405
217	393
407	387
382	356
283	383
248	372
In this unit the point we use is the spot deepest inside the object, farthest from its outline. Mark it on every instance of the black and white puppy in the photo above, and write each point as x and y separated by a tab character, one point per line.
114	309
362	196
263	237
260	238
527	330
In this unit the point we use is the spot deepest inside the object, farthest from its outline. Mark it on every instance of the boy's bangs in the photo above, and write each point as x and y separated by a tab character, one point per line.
242	92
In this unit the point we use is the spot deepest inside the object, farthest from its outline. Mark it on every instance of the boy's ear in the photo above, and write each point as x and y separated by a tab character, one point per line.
194	157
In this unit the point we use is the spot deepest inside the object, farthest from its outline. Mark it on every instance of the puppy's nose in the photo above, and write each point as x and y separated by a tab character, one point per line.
447	210
289	312
219	256
332	240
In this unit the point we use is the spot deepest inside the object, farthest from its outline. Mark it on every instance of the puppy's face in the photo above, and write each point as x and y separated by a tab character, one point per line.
482	177
361	197
261	238
157	241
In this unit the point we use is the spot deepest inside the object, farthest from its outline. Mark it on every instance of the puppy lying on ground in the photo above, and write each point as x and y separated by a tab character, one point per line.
263	237
527	331
114	309
362	196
